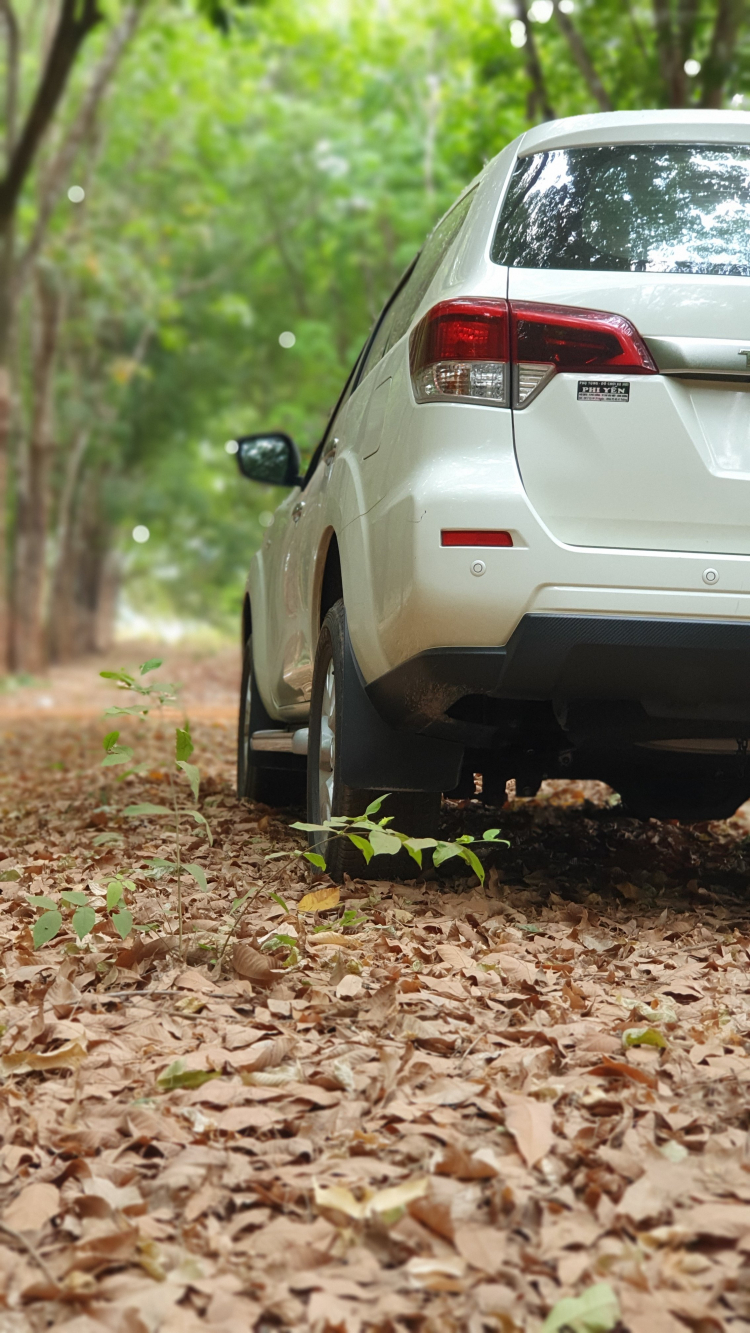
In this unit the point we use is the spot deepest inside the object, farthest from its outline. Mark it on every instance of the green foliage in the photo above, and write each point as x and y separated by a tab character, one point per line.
261	168
159	693
177	1076
376	839
596	1310
84	914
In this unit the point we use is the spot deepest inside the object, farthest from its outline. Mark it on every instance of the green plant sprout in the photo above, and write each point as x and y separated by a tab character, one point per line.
85	914
158	694
376	839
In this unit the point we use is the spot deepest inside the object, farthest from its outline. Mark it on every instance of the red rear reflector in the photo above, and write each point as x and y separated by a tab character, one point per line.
474	537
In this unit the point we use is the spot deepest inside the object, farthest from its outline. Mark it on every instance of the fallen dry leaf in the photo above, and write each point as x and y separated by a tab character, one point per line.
530	1123
477	1131
320	900
34	1206
250	963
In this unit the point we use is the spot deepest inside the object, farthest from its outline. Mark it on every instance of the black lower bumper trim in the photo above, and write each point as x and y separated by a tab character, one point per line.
673	668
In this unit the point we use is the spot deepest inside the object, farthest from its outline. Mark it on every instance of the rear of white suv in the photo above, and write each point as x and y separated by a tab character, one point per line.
528	519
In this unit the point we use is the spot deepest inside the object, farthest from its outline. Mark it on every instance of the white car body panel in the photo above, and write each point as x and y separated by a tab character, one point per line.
603	522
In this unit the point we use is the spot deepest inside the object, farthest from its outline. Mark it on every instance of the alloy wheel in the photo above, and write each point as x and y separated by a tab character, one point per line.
327	748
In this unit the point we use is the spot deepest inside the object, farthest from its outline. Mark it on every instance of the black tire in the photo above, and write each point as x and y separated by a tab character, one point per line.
269	786
416	813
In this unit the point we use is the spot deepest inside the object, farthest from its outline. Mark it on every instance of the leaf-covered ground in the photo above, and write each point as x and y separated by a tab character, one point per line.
440	1106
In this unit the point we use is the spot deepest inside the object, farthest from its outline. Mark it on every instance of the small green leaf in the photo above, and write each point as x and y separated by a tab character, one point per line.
193	775
414	852
644	1037
84	918
115	891
278	899
102	839
41	902
490	834
74	897
384	844
151	664
122	676
199	875
276	941
596	1310
364	846
159	863
177	1076
443	852
311	828
146	808
315	859
111	738
473	860
119	754
46	928
201	819
123	922
374	806
183	747
8	875
133	711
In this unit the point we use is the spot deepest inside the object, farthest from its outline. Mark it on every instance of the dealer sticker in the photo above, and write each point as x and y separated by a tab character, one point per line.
603	391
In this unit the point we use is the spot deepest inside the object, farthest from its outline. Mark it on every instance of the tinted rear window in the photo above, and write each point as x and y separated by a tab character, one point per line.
654	208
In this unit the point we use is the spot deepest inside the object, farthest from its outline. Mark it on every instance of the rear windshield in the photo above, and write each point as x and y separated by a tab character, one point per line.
652	208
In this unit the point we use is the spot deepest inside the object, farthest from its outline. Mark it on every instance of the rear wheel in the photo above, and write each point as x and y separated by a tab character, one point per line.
271	786
416	813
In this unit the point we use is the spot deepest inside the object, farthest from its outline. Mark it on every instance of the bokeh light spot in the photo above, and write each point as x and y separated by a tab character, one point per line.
76	194
141	533
231	446
287	339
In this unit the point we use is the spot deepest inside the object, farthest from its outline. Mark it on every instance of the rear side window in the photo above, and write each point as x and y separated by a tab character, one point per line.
652	208
399	314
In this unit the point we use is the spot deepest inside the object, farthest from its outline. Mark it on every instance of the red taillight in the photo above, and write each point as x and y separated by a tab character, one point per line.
460	350
549	338
474	537
464	349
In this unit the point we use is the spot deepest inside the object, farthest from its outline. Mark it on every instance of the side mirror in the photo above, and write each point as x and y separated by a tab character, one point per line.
273	459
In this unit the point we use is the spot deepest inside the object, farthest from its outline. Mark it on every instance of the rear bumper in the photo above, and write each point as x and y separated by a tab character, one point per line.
679	677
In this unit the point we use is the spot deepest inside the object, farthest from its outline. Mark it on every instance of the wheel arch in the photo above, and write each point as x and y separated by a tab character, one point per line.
247	619
330	586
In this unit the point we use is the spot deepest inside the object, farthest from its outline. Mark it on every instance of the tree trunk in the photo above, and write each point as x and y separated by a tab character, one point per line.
729	15
538	102
62	646
30	564
89	578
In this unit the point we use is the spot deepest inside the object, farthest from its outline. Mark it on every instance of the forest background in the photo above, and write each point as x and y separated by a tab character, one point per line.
205	204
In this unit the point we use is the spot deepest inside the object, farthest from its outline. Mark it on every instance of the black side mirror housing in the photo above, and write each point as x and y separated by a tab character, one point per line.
272	457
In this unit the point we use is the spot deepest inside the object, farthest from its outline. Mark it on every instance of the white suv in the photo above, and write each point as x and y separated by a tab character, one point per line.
522	548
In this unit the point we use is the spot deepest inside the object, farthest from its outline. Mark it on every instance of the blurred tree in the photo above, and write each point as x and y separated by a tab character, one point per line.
41	50
258	170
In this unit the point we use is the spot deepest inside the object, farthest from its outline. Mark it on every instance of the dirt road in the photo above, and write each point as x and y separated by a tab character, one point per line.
437	1106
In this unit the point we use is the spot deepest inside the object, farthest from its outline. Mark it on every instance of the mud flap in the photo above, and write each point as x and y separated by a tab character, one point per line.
375	756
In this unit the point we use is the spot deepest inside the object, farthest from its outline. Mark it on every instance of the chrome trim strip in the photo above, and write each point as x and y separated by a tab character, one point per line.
272	740
701	356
